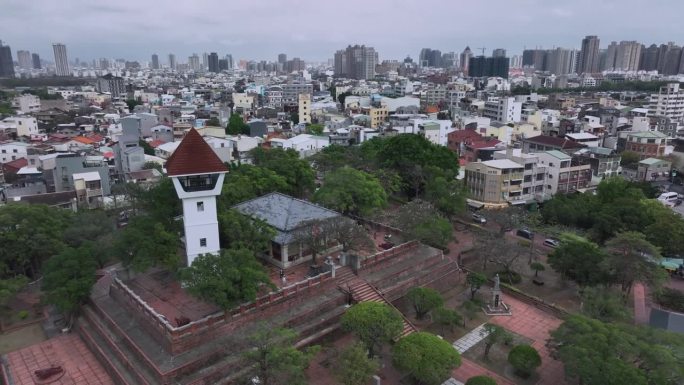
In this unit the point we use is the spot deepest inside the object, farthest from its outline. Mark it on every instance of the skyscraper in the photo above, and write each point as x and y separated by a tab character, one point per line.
589	55
172	61
61	61
36	61
213	62
356	62
231	64
649	58
465	60
608	57
155	61
627	56
205	60
282	58
499	52
6	62
24	59
481	66
194	62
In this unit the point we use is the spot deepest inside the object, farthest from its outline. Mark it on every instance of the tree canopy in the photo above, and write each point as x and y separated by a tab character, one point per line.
145	243
237	126
354	367
246	181
286	163
480	380
351	191
423	300
226	279
579	260
373	323
598	353
421	221
240	231
69	278
524	359
425	357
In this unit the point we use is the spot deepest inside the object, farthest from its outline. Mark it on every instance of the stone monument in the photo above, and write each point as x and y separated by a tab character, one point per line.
497	306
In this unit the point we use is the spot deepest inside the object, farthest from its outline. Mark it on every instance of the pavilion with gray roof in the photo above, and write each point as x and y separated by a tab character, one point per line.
287	216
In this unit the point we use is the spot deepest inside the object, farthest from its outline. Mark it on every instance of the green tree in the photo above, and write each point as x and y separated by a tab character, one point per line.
373	323
666	231
425	357
151	165
227	279
475	280
597	353
524	359
629	159
11	286
423	300
349	234
335	156
447	195
421	221
351	191
342	97
579	260
274	358
604	305
159	202
145	243
245	182
239	231
315	129
213	122
480	380
69	277
29	235
131	103
237	126
287	163
537	267
470	310
494	334
631	258
446	318
354	367
147	149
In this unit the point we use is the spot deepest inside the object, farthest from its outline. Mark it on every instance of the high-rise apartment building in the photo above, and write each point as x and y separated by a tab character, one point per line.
534	58
589	55
649	58
430	58
194	62
499	52
481	66
231	64
282	58
627	56
155	61
61	60
24	59
35	59
213	62
356	62
205	60
668	102
112	84
607	57
465	60
172	61
6	62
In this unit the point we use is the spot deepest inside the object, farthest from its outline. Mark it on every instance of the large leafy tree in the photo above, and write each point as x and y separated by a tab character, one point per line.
29	235
425	357
69	278
475	280
446	317
579	260
373	323
631	258
287	163
604	305
226	279
145	243
524	359
354	367
237	126
420	220
447	195
493	334
246	181
423	300
480	380
274	359
92	227
240	231
159	202
351	191
349	234
597	353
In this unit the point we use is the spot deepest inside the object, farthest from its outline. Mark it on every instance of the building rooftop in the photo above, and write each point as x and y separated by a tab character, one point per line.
87	176
502	164
558	154
652	161
194	156
581	136
648	134
555	141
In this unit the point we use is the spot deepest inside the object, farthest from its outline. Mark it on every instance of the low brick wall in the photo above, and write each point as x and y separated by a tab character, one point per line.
387	254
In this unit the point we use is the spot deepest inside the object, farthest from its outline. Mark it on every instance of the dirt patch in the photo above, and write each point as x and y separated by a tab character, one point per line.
497	360
21	338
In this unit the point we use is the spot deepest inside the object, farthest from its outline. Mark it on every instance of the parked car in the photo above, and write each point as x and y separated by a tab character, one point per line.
525	233
550	242
479	218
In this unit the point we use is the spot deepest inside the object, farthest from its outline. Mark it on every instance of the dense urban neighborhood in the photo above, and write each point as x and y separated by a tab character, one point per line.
442	219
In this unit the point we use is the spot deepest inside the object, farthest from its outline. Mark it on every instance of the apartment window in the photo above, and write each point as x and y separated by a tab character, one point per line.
15	151
4	151
203	242
200	206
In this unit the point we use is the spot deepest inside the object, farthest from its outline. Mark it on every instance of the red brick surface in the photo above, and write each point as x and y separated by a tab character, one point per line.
68	351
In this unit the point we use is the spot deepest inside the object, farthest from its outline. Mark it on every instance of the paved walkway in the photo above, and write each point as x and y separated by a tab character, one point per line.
471	339
640	312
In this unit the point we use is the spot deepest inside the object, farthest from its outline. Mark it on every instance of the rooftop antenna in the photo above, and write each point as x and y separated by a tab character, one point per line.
483	50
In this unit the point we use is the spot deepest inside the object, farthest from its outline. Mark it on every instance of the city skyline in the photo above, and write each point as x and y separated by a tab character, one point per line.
257	30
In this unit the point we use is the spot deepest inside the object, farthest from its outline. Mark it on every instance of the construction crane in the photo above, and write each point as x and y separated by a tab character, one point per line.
483	50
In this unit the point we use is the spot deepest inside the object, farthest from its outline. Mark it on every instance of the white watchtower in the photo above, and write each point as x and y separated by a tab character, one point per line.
197	175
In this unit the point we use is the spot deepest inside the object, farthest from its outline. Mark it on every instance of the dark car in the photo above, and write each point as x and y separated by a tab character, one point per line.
479	218
525	233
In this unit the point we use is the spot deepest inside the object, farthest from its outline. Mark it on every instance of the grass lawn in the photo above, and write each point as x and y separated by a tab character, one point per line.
498	359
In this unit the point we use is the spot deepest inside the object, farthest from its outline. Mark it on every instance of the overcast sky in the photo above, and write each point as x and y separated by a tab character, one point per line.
314	29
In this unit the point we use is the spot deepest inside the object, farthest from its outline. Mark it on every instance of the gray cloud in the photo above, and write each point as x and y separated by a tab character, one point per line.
314	29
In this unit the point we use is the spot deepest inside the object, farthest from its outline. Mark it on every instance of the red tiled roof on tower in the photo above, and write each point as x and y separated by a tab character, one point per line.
194	156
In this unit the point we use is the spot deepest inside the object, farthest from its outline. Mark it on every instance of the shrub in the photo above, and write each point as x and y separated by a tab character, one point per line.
515	277
670	299
423	300
480	380
524	359
23	314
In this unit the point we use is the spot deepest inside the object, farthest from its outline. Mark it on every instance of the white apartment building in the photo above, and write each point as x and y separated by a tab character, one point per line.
504	110
304	108
23	126
10	151
243	101
305	144
668	102
26	103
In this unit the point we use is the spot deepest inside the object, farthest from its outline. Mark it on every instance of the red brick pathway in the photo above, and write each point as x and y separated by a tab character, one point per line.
68	351
470	369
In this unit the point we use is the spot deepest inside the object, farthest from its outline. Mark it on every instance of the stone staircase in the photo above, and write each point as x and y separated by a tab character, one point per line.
362	291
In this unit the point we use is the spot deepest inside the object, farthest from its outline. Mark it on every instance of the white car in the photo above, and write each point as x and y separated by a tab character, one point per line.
550	242
479	218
